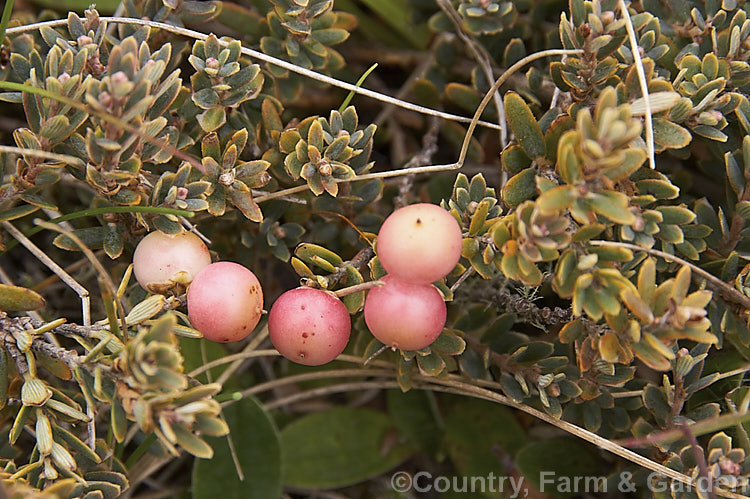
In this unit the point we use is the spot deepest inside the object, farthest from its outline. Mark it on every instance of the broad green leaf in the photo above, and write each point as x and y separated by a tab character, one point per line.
256	442
412	415
546	463
397	14
339	447
193	358
477	433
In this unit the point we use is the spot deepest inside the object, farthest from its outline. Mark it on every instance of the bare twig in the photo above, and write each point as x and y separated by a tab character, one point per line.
82	292
419	70
231	358
63	158
422	158
698	454
300	378
457	385
259	338
357	288
192	228
467	273
107	279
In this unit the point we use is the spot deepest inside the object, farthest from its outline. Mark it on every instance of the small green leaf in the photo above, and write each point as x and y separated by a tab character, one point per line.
430	365
355	301
243	200
448	343
557	198
17	212
734	174
670	135
212	119
192	443
656	402
18	299
520	187
514	159
533	352
524	125
307	252
92	237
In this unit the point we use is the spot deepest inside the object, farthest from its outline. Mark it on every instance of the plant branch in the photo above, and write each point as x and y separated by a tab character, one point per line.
724	288
358	287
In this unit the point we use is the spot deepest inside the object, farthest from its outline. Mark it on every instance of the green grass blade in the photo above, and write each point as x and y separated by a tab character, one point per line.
7	9
359	83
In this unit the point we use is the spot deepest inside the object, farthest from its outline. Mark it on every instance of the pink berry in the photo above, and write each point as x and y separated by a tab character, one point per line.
419	243
162	260
225	302
309	326
405	315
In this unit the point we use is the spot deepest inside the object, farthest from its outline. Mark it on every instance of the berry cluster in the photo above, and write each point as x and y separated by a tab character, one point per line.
224	299
417	245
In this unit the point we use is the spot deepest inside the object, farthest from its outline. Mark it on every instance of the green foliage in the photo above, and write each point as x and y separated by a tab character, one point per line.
605	293
256	440
338	447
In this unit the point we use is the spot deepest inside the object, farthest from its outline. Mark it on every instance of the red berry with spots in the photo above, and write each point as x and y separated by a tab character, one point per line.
225	302
405	315
420	243
309	326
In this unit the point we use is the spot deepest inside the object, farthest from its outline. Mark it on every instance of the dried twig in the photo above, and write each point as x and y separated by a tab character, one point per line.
642	80
82	292
106	278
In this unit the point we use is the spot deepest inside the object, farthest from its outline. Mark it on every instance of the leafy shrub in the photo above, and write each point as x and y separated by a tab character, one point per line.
602	198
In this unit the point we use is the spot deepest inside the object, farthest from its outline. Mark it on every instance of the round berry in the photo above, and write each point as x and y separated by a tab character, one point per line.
163	260
420	243
309	326
405	315
225	302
